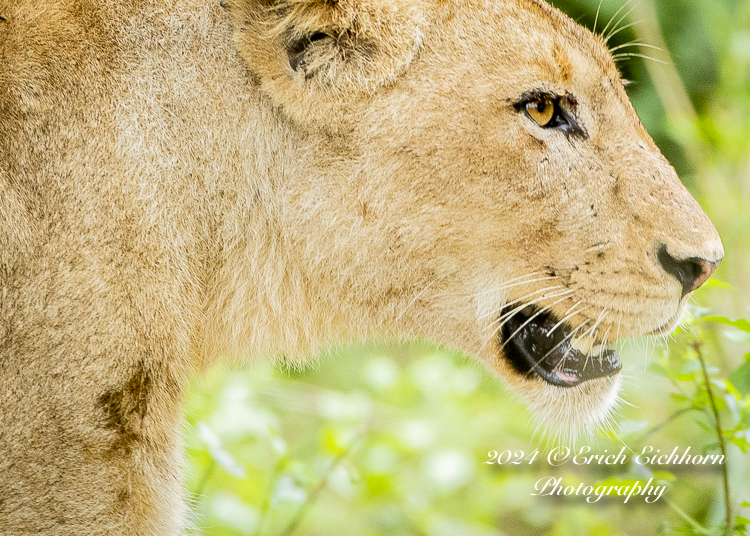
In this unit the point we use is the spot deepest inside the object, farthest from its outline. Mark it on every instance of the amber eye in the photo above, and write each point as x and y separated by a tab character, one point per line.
541	110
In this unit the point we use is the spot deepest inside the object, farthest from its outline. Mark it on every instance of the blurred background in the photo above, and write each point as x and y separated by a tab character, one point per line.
390	438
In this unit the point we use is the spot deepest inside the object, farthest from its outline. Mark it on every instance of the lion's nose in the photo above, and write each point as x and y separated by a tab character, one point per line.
691	272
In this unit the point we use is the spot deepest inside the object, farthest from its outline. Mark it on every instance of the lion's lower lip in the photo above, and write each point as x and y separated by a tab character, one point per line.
531	345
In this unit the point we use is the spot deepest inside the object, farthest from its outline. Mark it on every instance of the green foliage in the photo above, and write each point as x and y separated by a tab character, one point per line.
397	443
723	409
393	439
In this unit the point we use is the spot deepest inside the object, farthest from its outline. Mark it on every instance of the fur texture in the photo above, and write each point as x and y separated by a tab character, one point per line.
181	181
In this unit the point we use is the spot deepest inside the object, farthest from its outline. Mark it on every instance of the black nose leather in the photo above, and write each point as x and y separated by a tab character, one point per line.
691	272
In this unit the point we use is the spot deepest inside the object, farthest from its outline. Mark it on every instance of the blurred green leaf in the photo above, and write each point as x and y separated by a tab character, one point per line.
664	476
734	335
740	323
715	283
287	490
222	458
740	378
232	512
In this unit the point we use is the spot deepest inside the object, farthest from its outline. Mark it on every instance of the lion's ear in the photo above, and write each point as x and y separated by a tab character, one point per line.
326	50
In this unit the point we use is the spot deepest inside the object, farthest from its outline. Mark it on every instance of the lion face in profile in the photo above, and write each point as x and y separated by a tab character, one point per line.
495	168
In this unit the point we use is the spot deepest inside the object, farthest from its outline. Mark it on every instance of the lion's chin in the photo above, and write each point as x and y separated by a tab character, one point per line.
567	412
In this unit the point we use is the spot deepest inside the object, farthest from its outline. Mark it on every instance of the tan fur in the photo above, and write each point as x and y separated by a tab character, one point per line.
174	191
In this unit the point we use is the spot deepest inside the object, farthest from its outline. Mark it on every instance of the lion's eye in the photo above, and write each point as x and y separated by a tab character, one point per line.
551	112
542	111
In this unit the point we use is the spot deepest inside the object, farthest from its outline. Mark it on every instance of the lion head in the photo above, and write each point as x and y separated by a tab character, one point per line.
475	172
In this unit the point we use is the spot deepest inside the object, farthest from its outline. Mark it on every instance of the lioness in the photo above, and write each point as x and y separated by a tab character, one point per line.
188	179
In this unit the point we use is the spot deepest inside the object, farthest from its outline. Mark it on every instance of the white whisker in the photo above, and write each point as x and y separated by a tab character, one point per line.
619	323
623	28
619	21
523	301
634	44
568	337
515	282
511	283
532	317
572	334
606	334
596	18
570	313
636	55
612	22
497	325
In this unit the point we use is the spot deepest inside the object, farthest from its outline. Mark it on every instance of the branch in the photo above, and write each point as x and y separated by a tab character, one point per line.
312	497
720	434
669	420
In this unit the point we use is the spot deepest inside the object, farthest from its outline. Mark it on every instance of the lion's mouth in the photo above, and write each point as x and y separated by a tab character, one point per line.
537	343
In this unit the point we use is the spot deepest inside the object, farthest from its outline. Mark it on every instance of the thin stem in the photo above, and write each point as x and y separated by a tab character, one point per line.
720	435
267	502
696	526
669	420
313	496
